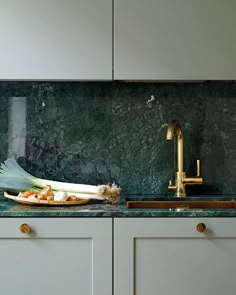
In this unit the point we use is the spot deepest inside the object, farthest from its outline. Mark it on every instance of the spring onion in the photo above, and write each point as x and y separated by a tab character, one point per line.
14	178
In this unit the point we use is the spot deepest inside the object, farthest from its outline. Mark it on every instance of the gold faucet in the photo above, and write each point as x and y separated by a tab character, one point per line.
181	181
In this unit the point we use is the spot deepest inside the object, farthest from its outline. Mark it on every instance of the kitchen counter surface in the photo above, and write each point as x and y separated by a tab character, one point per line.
9	208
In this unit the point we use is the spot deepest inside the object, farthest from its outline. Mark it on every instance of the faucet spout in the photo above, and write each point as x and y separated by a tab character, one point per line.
181	180
175	126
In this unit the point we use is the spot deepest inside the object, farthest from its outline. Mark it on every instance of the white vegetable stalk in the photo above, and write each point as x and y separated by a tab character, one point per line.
63	186
15	178
107	192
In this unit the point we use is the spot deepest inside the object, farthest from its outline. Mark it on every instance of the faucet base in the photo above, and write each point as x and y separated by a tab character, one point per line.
181	181
180	186
181	195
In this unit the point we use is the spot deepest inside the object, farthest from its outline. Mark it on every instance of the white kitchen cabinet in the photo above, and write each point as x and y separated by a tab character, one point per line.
168	256
58	256
174	40
56	39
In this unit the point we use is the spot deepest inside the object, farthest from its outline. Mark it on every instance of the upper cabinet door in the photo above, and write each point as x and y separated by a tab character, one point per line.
56	39
175	40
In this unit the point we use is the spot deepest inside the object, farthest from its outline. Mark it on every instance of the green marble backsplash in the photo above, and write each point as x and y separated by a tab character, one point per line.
100	132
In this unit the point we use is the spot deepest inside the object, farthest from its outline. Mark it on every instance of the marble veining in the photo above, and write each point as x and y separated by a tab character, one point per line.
97	132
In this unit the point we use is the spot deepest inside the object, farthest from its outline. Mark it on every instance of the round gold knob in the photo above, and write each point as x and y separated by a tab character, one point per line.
25	228
201	227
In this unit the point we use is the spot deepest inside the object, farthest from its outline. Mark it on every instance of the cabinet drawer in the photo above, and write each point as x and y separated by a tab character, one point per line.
57	255
169	256
178	227
54	227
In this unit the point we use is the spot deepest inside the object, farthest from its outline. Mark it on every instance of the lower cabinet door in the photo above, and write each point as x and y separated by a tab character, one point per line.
51	256
169	256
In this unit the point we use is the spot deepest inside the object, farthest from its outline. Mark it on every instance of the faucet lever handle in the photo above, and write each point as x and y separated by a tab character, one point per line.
198	168
170	186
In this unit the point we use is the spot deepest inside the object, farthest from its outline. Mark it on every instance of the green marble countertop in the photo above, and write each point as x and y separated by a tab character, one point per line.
9	208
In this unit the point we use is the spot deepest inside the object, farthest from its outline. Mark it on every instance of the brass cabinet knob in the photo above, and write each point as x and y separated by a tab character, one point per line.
201	227
25	228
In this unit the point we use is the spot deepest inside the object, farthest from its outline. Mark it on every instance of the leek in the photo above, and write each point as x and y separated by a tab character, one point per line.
14	178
